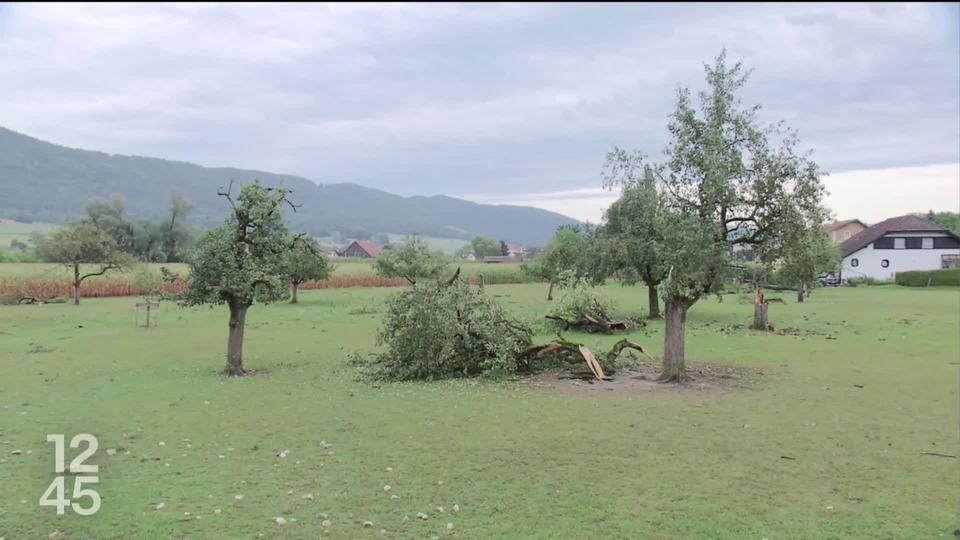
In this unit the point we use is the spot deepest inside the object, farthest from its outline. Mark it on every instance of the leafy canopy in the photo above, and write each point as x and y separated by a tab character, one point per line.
242	260
728	181
412	261
305	261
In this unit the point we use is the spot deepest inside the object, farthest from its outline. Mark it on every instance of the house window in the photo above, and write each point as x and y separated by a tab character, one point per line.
945	242
928	243
854	262
950	261
846	234
899	243
914	242
885	263
883	243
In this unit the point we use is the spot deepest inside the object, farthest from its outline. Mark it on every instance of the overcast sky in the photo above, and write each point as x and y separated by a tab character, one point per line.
497	103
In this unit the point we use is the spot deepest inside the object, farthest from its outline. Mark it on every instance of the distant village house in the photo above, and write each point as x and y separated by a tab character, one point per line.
841	231
899	244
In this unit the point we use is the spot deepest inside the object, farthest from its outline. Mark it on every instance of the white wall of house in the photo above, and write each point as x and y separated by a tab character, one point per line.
901	260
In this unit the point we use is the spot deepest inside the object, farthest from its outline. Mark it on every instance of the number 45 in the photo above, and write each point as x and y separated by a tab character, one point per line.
61	502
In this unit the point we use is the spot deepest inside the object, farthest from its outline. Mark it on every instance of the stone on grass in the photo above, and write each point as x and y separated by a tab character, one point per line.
308	496
387	488
367	524
279	521
456	508
238	497
159	506
449	526
440	509
421	515
16	452
326	523
111	451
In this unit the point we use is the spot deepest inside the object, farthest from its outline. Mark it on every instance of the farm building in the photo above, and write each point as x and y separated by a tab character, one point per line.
360	248
502	259
897	245
841	231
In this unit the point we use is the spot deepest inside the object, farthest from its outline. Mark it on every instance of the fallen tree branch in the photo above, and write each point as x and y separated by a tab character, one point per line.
590	324
586	354
938	454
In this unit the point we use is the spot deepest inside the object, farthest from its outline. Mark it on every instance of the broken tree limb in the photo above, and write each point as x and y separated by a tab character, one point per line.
938	454
586	354
590	324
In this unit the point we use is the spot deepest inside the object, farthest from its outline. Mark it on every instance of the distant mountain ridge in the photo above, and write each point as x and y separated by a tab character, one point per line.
42	181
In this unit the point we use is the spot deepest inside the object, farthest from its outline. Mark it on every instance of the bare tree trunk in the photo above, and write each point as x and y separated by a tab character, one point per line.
293	295
800	292
674	364
76	284
653	301
550	291
760	320
238	317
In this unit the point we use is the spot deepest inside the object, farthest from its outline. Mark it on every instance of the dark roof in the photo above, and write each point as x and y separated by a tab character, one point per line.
841	224
907	223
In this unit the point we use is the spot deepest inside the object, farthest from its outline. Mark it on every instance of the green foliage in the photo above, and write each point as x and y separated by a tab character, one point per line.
305	261
949	277
578	299
412	261
146	279
484	246
630	241
435	331
807	253
243	259
728	181
950	220
80	243
149	241
566	251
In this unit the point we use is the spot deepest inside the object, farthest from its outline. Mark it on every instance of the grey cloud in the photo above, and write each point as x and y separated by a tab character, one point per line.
469	98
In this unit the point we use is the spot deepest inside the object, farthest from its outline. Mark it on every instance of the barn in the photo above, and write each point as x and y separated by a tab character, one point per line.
360	248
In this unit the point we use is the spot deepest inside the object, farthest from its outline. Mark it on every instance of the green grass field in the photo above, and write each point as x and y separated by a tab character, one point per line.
21	232
855	412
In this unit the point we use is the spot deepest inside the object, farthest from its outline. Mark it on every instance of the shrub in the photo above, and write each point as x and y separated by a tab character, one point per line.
145	279
433	330
922	278
578	299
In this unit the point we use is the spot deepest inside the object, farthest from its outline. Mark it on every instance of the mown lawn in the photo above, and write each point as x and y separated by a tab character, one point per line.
520	461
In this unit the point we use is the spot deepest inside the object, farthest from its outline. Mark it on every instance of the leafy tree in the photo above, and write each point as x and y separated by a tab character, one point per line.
177	235
484	246
950	220
728	181
77	244
304	261
503	249
412	261
108	217
242	260
630	239
808	253
566	251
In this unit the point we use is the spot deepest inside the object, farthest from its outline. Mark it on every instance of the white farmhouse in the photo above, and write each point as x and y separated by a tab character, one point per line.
897	245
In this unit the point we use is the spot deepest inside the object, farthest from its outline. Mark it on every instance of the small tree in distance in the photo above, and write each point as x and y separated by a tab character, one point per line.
566	251
304	261
77	244
242	261
412	261
484	246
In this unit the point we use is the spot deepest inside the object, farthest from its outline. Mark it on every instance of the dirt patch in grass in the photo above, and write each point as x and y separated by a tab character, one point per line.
642	379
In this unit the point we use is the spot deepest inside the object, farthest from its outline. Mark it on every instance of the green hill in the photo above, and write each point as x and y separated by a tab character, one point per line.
41	181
